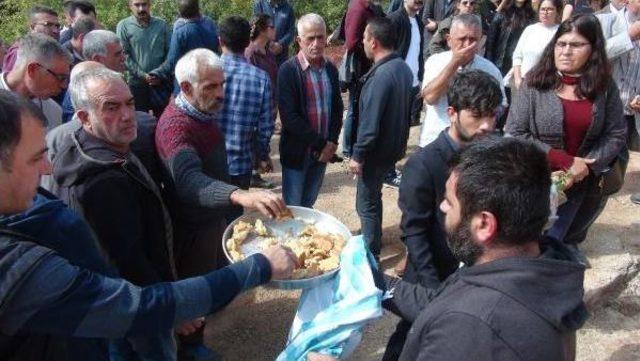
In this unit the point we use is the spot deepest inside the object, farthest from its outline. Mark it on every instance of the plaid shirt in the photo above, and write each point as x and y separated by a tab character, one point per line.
247	113
318	91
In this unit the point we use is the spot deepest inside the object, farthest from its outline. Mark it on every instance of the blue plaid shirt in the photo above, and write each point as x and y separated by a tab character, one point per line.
247	113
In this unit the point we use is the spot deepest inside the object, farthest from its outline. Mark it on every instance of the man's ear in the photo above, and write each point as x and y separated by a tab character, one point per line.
452	113
484	227
83	117
186	88
32	68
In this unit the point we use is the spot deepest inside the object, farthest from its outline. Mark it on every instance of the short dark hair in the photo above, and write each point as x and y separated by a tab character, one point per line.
259	24
188	8
596	73
476	91
85	7
39	9
508	177
234	33
383	31
12	107
82	27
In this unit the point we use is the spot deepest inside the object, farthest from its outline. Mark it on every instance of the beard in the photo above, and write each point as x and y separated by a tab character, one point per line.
460	241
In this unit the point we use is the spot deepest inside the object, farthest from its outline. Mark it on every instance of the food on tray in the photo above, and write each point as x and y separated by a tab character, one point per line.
316	252
285	215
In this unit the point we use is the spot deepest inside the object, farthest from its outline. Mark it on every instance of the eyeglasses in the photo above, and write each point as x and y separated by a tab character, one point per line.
62	78
468	3
49	25
573	45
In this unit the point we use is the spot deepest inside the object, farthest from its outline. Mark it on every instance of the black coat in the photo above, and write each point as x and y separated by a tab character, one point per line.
297	134
514	308
421	191
115	199
501	42
402	25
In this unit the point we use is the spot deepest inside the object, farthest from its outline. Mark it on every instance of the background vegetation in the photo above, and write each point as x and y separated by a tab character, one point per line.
13	13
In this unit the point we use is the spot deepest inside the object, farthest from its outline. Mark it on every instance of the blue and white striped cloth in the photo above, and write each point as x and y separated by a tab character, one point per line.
332	315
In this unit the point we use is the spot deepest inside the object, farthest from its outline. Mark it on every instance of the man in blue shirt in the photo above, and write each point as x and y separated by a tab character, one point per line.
283	19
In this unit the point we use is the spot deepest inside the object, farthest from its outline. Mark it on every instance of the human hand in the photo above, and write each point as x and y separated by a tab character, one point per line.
327	152
634	30
635	104
275	47
189	327
355	167
579	169
282	260
464	55
265	202
431	25
265	166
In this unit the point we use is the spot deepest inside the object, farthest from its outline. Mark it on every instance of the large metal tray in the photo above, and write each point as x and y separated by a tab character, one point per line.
302	216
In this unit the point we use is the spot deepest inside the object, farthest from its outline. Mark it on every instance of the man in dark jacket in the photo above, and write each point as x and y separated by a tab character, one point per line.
311	112
383	126
510	278
96	173
474	97
44	294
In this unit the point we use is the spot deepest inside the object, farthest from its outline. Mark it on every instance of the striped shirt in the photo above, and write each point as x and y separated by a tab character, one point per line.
318	92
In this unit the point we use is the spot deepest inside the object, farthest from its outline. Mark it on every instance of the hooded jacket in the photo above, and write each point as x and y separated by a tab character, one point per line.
120	204
516	308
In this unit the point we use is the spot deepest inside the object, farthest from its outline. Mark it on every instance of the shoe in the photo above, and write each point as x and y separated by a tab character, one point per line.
635	198
258	182
198	353
393	179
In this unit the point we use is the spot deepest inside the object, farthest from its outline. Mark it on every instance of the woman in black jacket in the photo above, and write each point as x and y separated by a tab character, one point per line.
505	30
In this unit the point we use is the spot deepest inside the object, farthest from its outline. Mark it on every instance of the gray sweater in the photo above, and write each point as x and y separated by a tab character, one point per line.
537	115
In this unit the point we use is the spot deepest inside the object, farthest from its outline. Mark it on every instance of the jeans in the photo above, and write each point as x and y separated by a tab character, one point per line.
300	187
347	126
369	204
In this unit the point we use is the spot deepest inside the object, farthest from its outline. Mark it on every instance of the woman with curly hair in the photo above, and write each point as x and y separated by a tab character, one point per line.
570	106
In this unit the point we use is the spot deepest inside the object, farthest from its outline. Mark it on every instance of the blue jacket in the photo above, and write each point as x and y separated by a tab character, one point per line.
58	227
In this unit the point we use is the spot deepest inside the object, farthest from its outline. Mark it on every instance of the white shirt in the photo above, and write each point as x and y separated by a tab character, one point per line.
437	119
413	55
51	110
531	44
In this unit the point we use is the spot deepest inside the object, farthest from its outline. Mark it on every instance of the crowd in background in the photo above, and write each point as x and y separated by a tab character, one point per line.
157	137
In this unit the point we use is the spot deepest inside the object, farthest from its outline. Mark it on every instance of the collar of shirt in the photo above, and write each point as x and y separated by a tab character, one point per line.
233	57
305	64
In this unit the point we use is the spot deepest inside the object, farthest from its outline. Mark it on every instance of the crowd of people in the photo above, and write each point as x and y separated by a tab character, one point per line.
124	156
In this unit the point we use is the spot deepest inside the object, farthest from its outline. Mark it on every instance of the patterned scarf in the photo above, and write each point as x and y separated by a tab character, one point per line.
191	111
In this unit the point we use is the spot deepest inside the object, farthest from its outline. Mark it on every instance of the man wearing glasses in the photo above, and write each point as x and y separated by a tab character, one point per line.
42	20
41	71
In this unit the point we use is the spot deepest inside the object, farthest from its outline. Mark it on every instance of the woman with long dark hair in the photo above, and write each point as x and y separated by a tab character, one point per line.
570	106
505	30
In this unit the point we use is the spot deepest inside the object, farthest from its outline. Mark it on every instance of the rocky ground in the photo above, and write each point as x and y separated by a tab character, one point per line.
255	326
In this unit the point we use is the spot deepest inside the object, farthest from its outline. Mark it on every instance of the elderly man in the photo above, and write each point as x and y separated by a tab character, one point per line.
247	112
47	295
311	112
284	21
440	69
383	127
102	46
439	41
42	20
41	71
146	40
79	29
96	173
192	149
474	97
510	278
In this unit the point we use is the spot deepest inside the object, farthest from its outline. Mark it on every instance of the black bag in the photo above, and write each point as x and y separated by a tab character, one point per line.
613	177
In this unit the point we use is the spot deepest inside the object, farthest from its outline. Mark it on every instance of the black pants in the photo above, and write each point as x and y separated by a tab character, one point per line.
396	341
591	207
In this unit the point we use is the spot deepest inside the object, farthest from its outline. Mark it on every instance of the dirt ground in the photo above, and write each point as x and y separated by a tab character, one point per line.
255	326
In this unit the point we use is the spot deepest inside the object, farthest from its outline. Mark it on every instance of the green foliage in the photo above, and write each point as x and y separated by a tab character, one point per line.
14	12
